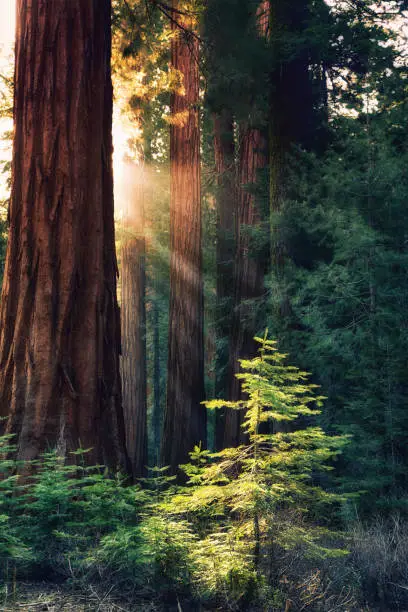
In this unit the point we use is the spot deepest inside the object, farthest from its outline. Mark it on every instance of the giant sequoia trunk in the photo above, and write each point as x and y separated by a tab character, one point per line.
133	311
59	319
185	417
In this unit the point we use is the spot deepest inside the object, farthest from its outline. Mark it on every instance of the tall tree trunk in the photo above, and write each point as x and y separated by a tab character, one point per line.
185	417
224	149
59	319
249	271
133	311
250	262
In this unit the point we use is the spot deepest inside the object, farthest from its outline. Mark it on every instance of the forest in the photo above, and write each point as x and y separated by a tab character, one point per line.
203	315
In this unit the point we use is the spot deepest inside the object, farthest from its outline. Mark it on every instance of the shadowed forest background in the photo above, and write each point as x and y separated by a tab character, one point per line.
203	319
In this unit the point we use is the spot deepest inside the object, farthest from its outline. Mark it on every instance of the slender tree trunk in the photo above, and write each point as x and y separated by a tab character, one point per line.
185	418
59	319
249	271
133	311
250	262
224	149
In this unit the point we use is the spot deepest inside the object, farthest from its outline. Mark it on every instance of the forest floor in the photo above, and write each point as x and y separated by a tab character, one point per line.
45	597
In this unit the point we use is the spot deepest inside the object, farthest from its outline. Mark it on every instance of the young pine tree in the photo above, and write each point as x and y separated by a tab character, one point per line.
264	495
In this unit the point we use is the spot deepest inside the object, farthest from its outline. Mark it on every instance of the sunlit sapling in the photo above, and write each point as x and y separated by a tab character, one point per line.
253	488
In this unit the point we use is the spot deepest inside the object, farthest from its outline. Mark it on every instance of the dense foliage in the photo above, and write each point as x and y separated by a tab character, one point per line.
245	518
253	526
345	222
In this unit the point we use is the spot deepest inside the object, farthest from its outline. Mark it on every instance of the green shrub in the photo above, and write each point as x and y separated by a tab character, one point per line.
66	509
13	549
250	502
152	557
74	521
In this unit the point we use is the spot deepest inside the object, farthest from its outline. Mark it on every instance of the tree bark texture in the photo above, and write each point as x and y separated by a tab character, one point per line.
184	418
133	317
248	272
59	318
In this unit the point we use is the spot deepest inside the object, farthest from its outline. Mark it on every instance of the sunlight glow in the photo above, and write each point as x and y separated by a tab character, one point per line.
125	133
7	30
7	22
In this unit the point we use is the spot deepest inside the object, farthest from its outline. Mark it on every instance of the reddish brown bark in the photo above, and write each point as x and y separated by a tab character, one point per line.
249	259
185	418
59	319
248	273
133	317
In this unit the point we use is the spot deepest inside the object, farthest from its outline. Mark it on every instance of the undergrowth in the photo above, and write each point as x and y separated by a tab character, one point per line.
251	529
